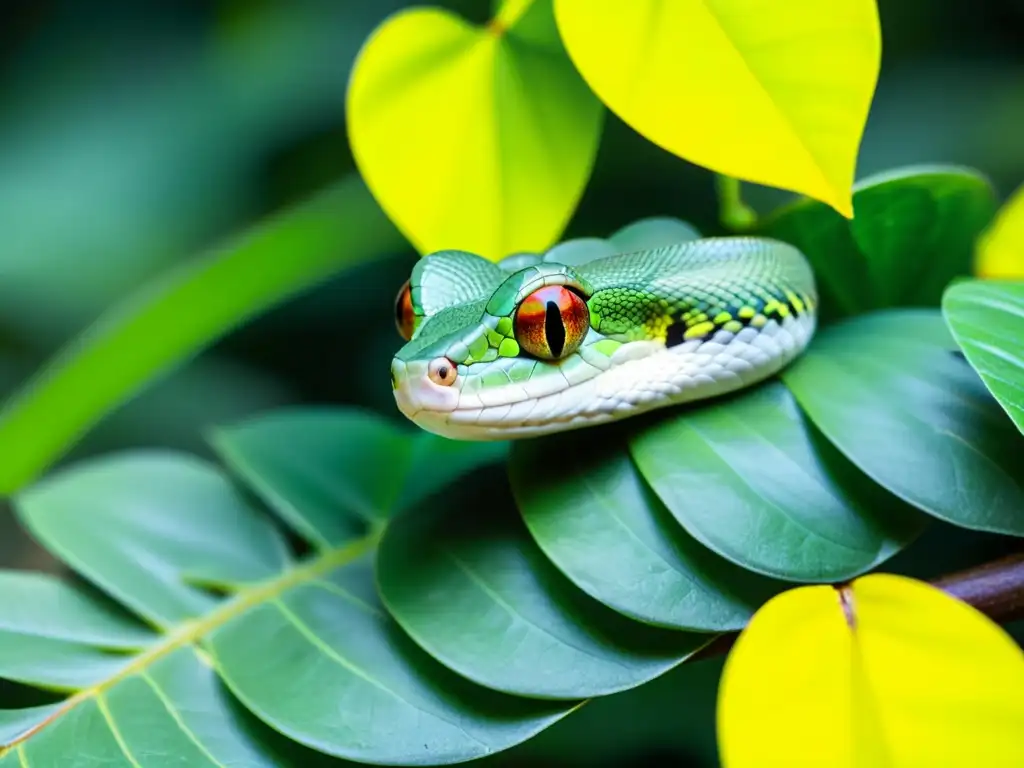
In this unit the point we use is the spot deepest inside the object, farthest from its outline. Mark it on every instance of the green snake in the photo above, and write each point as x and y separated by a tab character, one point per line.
529	346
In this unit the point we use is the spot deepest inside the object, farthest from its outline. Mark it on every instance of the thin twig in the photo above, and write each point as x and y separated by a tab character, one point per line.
996	589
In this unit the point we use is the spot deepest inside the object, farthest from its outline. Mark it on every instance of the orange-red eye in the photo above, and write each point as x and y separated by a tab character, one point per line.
552	322
405	318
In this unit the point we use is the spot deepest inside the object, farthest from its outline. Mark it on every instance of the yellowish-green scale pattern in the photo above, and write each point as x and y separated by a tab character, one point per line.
673	306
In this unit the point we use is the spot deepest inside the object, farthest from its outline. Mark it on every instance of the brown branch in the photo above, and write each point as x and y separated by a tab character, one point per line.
996	589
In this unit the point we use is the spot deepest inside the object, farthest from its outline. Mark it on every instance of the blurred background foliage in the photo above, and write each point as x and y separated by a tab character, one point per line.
135	135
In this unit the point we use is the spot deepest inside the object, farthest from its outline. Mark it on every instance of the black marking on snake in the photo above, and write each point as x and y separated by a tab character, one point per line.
553	329
674	333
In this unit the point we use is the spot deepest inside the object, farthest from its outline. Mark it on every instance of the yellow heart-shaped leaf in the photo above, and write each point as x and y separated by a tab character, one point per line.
775	93
1001	249
887	671
475	138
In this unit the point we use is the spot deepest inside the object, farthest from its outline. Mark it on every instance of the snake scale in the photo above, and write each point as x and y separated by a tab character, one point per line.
526	346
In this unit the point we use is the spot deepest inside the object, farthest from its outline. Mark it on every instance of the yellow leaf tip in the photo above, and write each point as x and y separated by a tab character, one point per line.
843	204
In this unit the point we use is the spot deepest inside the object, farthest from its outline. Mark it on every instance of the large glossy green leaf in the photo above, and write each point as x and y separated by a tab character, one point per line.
173	539
594	517
987	319
344	679
55	664
653	232
142	528
910	324
644	234
916	418
329	470
181	313
173	711
748	478
40	605
463	577
152	529
914	230
15	723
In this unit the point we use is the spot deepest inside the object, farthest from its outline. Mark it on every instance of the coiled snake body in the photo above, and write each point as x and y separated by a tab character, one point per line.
527	347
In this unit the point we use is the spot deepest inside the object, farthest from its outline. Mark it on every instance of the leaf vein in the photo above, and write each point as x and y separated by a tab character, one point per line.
188	632
494	595
101	704
175	714
321	645
334	589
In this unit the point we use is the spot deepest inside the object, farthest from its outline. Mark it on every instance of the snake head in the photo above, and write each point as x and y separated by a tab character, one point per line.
481	339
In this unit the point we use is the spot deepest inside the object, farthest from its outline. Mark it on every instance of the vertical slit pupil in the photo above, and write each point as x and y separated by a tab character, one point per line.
554	330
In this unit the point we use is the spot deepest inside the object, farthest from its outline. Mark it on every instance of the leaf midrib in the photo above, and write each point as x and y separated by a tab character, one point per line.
188	633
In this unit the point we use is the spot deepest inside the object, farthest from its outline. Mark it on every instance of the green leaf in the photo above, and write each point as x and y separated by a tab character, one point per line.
480	138
145	528
521	626
323	469
178	315
581	250
333	643
987	319
591	513
55	664
914	230
645	234
171	711
750	480
174	540
915	418
653	232
913	324
40	605
15	723
151	529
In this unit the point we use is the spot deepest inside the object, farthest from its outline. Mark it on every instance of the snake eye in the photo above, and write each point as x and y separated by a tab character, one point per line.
405	318
552	322
442	371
